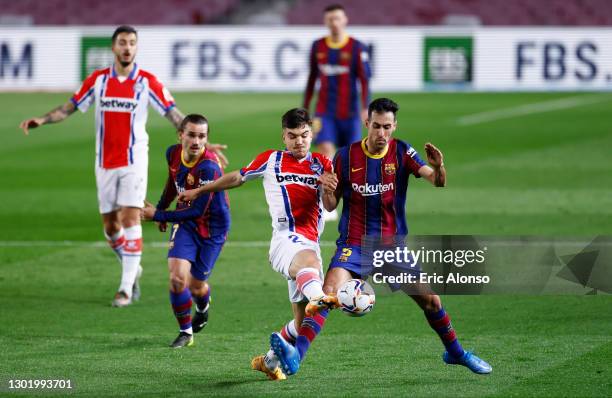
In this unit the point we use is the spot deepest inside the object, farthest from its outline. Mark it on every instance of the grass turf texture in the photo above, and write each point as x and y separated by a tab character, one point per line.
546	173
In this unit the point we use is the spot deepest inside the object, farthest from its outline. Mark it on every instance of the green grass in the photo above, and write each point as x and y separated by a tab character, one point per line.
541	174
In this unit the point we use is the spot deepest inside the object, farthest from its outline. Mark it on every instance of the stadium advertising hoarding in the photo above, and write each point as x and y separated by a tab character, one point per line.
275	59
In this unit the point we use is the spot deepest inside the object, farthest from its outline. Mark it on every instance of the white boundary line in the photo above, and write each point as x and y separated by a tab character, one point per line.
528	109
100	244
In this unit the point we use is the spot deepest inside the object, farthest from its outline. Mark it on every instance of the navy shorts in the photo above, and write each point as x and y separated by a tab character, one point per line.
351	259
201	252
341	132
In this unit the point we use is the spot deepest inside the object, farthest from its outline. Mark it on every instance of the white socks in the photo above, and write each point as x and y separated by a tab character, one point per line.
132	252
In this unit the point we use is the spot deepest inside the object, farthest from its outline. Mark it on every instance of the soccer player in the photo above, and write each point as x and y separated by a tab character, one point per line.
121	94
339	62
372	181
200	227
294	181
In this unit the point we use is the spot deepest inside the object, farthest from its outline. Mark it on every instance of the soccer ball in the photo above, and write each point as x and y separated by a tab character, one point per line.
356	297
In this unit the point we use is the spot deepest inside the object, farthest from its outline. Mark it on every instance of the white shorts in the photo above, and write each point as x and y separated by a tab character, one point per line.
283	248
121	187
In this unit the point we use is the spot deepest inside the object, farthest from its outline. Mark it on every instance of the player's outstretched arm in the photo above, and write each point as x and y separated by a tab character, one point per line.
435	172
227	181
56	115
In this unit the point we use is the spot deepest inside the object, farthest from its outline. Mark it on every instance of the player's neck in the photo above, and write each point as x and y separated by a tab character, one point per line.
123	71
190	160
338	37
374	152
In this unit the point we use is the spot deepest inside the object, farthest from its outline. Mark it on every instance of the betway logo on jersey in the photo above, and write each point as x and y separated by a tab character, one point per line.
109	104
302	179
371	190
333	70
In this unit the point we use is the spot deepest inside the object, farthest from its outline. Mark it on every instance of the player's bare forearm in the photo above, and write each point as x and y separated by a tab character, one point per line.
60	113
330	201
440	177
175	116
227	181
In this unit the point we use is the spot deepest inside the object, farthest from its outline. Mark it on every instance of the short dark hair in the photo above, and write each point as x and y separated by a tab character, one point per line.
295	118
123	29
382	105
193	118
333	7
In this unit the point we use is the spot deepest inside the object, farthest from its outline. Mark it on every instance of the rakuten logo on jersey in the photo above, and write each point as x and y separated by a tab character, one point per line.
108	104
301	179
333	70
371	190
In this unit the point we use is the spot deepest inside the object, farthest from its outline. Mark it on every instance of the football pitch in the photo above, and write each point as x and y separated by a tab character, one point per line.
518	164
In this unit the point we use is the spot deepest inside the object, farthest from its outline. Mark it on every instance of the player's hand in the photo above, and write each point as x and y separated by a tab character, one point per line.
218	150
31	124
162	226
188	195
434	156
147	212
329	182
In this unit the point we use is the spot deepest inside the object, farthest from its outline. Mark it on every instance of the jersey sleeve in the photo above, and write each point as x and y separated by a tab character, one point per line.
85	96
312	76
364	73
169	193
413	161
257	167
208	171
160	98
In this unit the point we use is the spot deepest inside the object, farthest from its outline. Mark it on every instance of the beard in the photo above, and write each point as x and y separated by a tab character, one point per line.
125	63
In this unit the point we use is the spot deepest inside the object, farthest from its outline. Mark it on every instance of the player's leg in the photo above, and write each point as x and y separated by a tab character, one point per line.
440	322
208	251
326	141
114	233
131	191
132	252
180	299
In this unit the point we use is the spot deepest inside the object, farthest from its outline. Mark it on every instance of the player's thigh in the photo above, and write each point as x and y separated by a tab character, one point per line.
349	131
208	251
334	278
107	181
132	187
328	132
179	272
308	258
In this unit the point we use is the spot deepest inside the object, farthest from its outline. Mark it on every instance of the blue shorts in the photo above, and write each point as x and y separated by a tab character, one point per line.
360	266
341	132
201	252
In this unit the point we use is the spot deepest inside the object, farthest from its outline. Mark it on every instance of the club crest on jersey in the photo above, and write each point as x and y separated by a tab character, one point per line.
316	167
138	87
320	55
345	56
190	179
390	168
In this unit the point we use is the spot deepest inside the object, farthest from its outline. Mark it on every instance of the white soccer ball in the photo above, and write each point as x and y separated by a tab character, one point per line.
356	297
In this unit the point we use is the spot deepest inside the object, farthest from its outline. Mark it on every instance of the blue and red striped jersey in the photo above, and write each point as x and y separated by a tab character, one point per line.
208	215
374	189
338	68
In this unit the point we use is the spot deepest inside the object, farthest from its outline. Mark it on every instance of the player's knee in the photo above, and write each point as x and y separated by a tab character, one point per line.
112	227
178	282
328	289
198	287
433	303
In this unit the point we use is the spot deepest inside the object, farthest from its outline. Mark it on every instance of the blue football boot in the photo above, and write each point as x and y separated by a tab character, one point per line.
470	361
287	354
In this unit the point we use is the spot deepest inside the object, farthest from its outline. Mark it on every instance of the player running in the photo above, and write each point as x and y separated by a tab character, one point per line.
372	180
294	181
121	93
200	227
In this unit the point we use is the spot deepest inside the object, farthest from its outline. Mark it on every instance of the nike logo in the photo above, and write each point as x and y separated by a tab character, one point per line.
355	170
